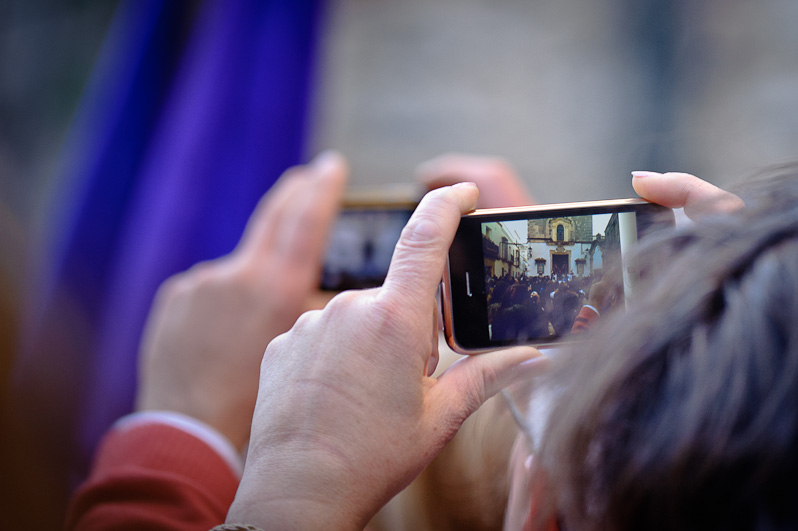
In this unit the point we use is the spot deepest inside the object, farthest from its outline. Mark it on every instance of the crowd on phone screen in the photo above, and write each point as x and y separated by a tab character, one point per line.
542	306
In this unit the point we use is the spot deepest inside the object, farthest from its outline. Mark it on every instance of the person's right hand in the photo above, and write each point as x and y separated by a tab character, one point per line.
347	411
210	325
683	190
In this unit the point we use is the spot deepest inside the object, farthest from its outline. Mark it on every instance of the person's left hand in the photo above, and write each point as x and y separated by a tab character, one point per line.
498	182
210	325
347	415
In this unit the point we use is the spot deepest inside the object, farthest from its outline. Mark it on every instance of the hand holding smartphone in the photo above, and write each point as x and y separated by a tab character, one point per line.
538	275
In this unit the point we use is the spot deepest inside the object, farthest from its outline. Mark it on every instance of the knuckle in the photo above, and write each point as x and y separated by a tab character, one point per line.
388	316
479	382
347	307
286	340
306	320
169	288
185	284
428	225
343	300
310	221
420	232
274	348
200	276
431	218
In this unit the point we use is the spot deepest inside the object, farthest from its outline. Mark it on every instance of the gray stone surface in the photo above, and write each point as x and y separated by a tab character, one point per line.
575	93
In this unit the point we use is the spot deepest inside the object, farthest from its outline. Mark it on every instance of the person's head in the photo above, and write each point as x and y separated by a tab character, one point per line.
518	294
682	412
566	306
499	291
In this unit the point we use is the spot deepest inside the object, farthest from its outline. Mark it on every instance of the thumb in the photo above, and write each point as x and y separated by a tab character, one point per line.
472	380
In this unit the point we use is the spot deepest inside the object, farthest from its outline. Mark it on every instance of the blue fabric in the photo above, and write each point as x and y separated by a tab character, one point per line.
190	117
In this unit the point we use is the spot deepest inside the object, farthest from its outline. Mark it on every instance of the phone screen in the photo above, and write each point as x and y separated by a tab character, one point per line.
539	275
361	245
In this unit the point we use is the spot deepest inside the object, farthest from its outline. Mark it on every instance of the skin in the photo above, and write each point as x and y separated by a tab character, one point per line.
675	190
683	190
346	415
332	446
467	483
498	182
209	326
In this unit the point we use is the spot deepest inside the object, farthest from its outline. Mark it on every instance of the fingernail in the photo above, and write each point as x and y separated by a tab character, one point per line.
537	361
641	174
471	195
327	161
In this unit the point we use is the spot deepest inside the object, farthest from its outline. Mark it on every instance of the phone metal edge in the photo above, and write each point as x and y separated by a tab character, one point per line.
559	206
448	322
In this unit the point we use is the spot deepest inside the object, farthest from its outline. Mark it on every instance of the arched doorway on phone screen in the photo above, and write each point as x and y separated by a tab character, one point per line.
559	264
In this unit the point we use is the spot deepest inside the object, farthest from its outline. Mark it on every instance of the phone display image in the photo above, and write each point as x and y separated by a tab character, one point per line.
538	275
361	245
539	272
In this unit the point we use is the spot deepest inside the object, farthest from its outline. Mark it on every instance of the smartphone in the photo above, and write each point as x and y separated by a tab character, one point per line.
363	238
543	274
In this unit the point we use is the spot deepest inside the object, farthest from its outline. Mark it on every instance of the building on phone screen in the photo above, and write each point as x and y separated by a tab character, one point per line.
504	249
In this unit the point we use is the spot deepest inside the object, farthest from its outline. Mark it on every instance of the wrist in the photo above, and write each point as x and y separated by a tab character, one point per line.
303	490
290	513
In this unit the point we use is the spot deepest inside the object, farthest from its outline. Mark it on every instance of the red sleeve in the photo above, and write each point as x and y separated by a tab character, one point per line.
585	319
153	476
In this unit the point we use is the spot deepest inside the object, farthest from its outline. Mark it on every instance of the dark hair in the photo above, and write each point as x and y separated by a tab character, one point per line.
518	294
499	291
682	412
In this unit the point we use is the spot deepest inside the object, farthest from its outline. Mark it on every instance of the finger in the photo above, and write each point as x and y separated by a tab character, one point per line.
499	184
261	227
260	230
682	190
267	221
306	222
469	382
420	253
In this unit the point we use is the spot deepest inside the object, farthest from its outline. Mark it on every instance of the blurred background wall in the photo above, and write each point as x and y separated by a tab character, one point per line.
47	51
574	93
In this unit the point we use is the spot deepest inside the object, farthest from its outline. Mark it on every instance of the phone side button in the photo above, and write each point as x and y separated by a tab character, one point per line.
468	285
